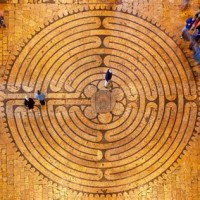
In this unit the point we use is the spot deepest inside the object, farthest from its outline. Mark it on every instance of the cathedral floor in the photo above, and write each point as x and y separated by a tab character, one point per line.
138	139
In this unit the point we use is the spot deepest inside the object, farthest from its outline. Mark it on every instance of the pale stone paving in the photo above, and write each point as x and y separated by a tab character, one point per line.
22	176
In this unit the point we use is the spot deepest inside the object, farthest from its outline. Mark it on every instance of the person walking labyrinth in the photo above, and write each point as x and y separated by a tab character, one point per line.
29	102
40	96
108	77
185	31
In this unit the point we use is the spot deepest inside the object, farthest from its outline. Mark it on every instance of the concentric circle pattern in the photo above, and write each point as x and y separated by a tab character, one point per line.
68	141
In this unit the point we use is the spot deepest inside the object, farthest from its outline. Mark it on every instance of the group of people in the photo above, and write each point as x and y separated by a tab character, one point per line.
191	31
29	102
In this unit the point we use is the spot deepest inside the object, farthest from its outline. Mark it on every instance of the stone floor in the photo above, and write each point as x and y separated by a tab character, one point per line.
137	139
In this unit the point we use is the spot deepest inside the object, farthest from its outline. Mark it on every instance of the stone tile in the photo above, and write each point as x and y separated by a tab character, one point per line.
146	147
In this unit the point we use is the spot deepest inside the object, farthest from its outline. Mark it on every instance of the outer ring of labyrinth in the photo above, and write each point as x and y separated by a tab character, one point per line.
147	131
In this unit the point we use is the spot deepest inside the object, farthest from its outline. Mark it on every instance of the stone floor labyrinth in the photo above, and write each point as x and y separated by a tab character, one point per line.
88	138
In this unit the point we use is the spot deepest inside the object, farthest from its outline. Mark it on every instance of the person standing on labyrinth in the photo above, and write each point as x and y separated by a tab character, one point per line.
185	31
40	96
108	77
29	102
2	24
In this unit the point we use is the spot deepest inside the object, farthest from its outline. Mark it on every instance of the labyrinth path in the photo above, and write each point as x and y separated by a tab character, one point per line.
89	138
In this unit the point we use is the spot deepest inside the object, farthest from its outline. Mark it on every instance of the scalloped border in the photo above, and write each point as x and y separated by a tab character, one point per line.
119	8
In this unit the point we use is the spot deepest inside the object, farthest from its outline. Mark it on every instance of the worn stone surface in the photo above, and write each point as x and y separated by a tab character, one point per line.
144	147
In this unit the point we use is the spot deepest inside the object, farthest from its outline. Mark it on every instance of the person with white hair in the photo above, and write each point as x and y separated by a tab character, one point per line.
108	77
29	102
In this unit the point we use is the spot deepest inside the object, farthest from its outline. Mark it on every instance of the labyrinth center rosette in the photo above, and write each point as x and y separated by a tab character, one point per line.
149	115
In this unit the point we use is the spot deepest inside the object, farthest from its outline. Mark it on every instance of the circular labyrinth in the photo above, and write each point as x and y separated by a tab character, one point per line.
88	138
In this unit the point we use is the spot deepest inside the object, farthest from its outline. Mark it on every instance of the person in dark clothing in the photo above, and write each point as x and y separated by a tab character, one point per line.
196	34
29	103
2	22
108	77
40	96
196	20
